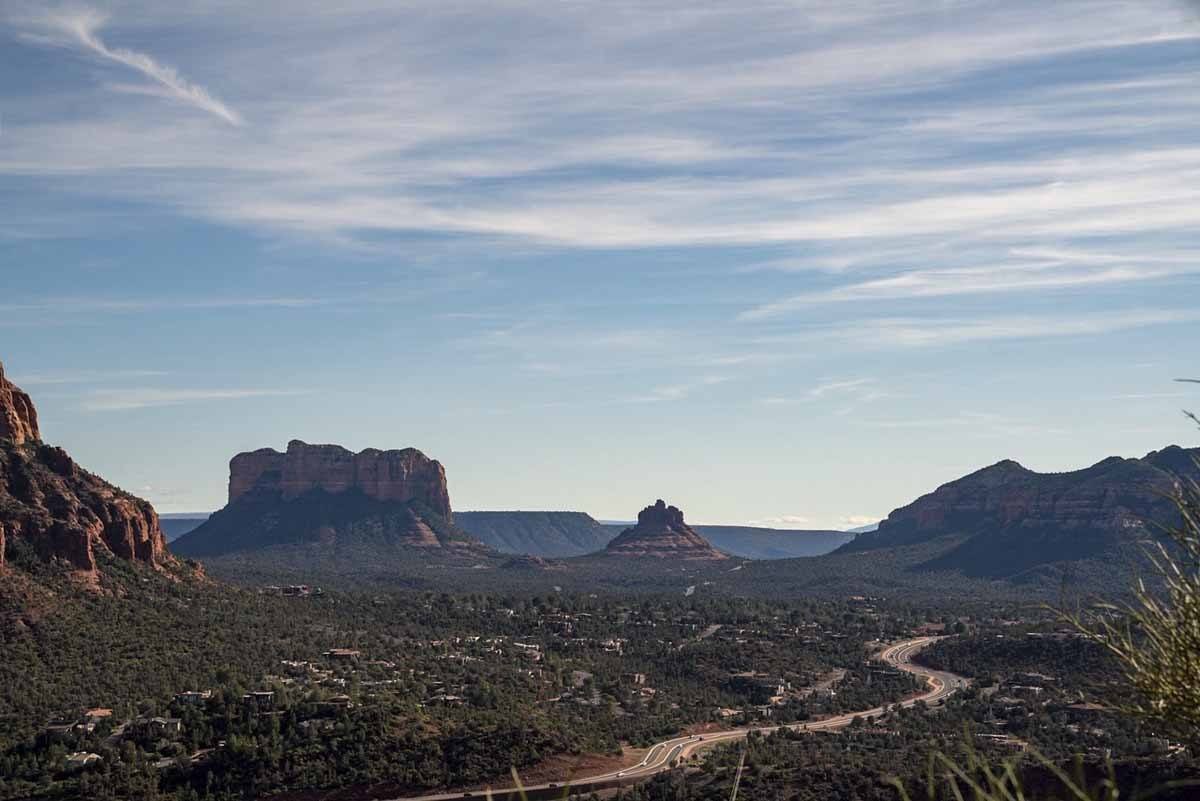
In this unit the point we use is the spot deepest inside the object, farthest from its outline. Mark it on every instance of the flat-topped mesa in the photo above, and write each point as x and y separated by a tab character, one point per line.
396	475
359	508
662	533
18	417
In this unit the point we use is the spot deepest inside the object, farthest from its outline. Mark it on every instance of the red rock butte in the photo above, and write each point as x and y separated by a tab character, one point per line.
662	533
398	476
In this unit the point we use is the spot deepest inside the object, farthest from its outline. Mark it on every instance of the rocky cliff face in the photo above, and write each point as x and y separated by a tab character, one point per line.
1013	518
52	509
18	418
662	533
400	476
326	497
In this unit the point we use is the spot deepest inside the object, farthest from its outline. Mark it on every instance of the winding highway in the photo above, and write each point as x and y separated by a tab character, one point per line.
665	755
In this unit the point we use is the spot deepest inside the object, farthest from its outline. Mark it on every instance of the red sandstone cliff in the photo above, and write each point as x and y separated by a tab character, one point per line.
398	475
18	418
331	499
53	509
1009	519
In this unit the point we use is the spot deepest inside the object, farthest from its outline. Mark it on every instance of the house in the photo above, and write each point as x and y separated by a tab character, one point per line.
1085	711
342	654
97	714
165	727
1005	741
317	725
634	678
58	732
81	760
264	699
1006	703
193	697
335	704
447	700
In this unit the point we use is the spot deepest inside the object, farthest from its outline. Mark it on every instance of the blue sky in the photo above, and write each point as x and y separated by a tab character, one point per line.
784	263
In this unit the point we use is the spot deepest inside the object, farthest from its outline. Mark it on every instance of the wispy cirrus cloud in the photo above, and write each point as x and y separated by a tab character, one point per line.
677	392
781	521
84	377
81	29
111	400
660	146
1020	276
849	393
133	304
845	385
891	333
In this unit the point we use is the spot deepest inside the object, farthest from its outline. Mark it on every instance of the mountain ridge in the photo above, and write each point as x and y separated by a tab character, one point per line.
1010	519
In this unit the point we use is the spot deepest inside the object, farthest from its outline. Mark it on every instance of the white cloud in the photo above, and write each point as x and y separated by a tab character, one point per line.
119	305
913	332
839	386
81	29
106	400
676	392
1020	277
412	144
83	377
781	521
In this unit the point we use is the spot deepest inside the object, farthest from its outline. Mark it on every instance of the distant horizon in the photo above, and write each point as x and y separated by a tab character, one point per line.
602	521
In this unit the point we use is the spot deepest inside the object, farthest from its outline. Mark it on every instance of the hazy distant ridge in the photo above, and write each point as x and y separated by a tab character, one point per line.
563	534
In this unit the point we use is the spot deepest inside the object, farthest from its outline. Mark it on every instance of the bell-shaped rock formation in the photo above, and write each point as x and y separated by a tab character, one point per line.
662	533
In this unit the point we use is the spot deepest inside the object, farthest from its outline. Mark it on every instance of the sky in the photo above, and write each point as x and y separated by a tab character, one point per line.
779	263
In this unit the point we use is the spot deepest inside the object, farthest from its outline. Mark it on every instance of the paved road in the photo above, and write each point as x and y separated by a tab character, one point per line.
663	756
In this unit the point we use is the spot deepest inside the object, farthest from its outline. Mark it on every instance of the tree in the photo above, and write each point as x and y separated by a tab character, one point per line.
1156	636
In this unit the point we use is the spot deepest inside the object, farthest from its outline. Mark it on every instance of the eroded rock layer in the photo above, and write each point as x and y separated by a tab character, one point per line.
1012	519
662	533
53	510
397	475
18	417
334	500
